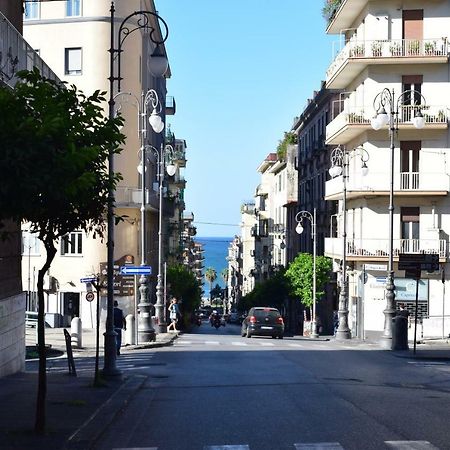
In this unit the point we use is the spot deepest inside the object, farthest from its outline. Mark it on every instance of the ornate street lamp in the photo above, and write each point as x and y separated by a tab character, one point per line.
158	66
340	159
386	98
299	230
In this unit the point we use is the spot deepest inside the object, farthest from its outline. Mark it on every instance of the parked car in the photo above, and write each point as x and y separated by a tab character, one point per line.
263	321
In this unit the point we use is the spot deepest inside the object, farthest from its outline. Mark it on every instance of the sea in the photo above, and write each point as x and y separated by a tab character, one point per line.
215	253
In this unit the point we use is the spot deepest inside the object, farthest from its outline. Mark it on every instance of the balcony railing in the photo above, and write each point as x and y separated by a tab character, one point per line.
16	54
379	248
348	121
388	48
126	196
378	182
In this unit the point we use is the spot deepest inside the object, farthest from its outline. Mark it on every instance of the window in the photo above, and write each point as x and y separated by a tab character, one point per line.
73	8
30	244
73	61
72	244
31	10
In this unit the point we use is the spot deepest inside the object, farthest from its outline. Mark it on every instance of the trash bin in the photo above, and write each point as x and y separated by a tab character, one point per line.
399	333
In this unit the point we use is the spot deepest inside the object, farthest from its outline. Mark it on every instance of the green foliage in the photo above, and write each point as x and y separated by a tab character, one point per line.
330	7
184	286
55	143
216	291
289	139
271	292
211	276
300	277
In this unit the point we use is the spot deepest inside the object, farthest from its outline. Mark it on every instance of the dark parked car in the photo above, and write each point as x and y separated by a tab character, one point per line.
263	321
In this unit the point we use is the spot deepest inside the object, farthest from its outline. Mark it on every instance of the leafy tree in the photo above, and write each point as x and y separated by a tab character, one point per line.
271	292
211	276
55	144
300	277
185	286
216	292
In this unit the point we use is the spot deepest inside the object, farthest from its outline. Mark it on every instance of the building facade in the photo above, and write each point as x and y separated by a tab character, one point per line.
402	47
74	38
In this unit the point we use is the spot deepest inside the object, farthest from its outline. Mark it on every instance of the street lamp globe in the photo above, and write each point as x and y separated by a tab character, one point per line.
158	62
156	122
364	169
419	120
171	169
299	228
375	122
335	171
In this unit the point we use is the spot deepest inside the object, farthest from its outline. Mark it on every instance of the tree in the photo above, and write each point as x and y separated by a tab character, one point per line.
185	286
211	276
271	292
300	277
55	144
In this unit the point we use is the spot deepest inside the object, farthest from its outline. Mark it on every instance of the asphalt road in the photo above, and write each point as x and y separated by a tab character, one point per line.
216	390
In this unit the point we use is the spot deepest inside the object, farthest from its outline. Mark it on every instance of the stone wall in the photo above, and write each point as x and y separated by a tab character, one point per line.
12	334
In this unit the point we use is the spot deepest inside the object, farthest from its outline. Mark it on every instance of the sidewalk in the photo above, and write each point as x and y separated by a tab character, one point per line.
73	404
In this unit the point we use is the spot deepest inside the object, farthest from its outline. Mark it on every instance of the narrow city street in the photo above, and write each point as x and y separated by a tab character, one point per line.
214	389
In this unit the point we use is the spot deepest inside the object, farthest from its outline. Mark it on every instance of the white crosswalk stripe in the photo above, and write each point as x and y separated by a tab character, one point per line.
398	445
411	445
212	342
226	447
319	446
241	344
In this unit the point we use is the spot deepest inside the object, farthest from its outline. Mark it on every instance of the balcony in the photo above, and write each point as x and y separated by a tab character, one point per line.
378	249
375	184
357	55
345	15
351	121
131	197
16	54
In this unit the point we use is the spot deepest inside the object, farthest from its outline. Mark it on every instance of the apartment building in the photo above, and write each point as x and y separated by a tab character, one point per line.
401	47
313	162
73	36
16	55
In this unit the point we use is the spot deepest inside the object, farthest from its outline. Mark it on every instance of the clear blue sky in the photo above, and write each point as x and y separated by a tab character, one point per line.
241	71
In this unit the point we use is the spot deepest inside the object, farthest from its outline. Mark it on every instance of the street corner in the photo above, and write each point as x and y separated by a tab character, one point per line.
162	340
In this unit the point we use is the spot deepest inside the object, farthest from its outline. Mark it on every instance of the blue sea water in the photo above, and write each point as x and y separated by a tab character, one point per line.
215	253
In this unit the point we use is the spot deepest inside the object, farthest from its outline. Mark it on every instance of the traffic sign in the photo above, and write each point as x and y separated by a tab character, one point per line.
89	296
88	280
135	270
418	261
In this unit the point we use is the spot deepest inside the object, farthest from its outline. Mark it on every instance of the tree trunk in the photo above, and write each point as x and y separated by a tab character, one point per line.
39	425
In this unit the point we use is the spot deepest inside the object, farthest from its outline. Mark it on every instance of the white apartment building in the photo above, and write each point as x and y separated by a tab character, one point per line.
401	46
73	37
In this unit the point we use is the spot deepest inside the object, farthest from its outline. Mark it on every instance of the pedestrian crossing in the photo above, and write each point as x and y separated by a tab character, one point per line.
255	342
396	445
124	362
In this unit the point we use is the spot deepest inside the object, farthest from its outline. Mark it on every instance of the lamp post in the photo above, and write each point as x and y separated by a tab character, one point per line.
158	66
340	159
387	98
165	153
299	230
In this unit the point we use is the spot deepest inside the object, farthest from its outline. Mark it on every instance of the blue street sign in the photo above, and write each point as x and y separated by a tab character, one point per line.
135	270
88	280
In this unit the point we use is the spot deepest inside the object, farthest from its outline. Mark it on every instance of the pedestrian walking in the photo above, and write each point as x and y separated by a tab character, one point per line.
174	314
403	312
119	325
335	322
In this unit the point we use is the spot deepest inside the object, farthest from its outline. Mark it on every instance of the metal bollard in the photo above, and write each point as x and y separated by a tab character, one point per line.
399	333
130	332
75	332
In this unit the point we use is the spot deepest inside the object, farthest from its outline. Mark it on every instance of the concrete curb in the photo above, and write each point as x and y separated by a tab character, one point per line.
88	434
152	344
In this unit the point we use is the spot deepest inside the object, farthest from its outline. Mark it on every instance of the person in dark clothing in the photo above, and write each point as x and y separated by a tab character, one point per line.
119	325
403	312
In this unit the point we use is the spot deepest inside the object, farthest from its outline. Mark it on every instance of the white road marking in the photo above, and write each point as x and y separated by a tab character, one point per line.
296	345
411	445
226	447
212	342
267	344
319	446
239	343
183	342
